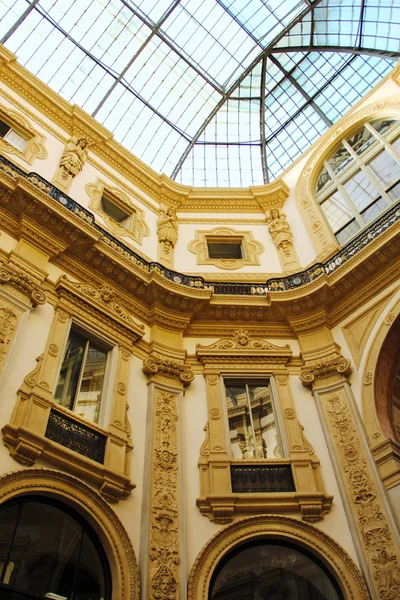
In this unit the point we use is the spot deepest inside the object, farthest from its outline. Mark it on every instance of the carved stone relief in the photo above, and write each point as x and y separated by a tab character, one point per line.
71	162
167	230
251	249
283	239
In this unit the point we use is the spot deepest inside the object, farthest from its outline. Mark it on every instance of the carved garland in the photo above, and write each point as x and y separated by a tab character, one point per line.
164	527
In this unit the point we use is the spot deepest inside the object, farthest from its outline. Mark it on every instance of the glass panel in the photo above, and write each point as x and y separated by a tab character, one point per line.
114	211
45	551
336	210
361	140
89	396
347	232
323	179
361	190
374	210
70	370
267	442
7	525
394	193
90	583
4	129
239	421
222	250
272	571
385	168
396	144
339	160
15	139
383	125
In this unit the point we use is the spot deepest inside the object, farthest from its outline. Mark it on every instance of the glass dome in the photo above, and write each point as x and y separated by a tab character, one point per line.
209	92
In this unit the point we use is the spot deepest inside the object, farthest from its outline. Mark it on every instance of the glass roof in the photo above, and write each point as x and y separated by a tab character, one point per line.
210	92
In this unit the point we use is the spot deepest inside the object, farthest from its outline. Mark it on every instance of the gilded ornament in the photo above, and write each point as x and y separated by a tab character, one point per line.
368	377
289	413
212	379
388	320
121	387
53	350
214	413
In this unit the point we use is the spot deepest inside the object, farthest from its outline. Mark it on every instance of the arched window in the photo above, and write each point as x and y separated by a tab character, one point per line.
272	569
360	178
48	551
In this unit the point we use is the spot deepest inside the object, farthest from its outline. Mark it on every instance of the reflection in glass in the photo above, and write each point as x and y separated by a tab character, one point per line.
274	571
385	168
81	377
339	160
252	428
323	179
336	210
361	190
383	125
46	551
361	140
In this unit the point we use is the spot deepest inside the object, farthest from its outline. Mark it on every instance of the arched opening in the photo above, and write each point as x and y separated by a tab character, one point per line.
47	550
274	569
387	383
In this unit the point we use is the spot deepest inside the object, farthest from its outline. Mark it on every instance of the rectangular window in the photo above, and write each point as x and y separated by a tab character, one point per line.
80	383
252	425
12	137
114	211
231	250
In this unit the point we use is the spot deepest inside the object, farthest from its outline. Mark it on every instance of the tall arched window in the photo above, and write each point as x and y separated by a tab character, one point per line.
272	569
360	178
48	551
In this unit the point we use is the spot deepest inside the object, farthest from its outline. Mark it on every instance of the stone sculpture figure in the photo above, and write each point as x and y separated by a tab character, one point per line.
167	230
282	238
71	162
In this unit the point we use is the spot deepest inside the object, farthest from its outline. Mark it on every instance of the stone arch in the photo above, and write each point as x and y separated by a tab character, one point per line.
85	501
278	528
320	234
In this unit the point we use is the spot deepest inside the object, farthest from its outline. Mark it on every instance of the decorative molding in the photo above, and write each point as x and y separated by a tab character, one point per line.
8	325
325	367
164	546
250	248
273	528
34	147
70	490
313	218
20	280
166	370
283	240
72	161
364	498
137	227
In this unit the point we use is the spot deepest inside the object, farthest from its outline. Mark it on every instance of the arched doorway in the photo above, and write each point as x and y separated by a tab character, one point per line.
271	569
48	551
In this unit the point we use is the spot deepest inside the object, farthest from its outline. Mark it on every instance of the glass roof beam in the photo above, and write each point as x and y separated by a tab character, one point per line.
18	21
343	49
221	4
245	73
308	98
264	162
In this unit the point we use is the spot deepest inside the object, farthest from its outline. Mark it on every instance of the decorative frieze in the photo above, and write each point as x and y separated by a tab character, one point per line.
167	370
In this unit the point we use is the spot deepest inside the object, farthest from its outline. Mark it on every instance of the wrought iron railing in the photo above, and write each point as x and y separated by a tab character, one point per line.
250	479
276	284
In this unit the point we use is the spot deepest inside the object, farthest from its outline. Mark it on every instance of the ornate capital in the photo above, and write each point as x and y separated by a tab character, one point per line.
167	369
332	370
21	281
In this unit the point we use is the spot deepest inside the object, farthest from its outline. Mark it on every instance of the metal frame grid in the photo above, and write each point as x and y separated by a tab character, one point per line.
211	92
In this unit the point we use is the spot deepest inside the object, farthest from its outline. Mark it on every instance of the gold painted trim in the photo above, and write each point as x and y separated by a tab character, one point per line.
251	249
34	147
278	528
72	492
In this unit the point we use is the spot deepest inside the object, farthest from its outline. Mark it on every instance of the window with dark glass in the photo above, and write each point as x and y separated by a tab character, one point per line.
361	178
275	570
253	430
48	551
13	137
115	211
220	249
81	380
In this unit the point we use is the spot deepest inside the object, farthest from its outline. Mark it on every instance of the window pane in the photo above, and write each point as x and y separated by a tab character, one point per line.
114	211
90	580
89	396
345	234
385	168
383	125
340	160
336	210
396	144
16	140
361	190
239	421
8	521
45	551
222	250
4	129
394	193
361	140
70	370
374	210
323	179
267	442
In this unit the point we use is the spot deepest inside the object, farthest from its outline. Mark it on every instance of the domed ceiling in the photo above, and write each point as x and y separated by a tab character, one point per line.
210	92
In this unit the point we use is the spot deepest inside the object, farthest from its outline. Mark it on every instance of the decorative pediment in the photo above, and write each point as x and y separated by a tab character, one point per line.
242	345
103	299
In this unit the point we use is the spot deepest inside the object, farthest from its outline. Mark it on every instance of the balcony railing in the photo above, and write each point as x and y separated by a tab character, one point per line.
276	284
